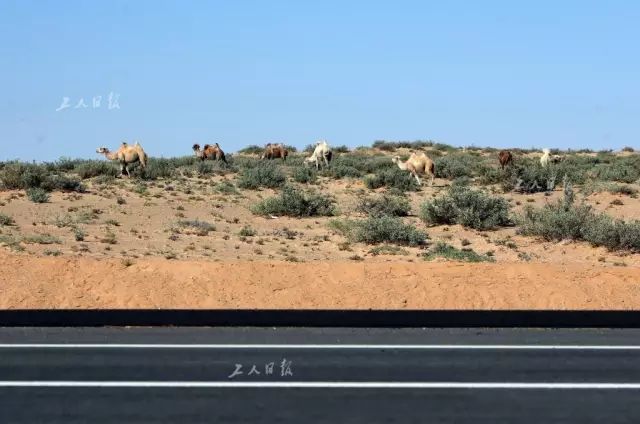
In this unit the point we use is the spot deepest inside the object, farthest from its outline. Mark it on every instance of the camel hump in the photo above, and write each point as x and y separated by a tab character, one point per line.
206	146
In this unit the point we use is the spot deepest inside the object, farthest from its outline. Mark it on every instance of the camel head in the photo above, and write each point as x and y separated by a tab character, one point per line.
546	151
395	159
102	150
196	147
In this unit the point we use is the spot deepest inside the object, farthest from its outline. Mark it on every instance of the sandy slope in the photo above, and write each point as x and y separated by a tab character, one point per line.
66	282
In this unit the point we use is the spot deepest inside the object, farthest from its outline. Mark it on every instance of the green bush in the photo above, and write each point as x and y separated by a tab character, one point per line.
247	231
38	195
293	202
443	250
561	221
384	229
265	174
62	183
17	175
619	172
197	227
384	205
532	178
455	165
252	150
156	168
339	171
6	220
226	187
392	178
470	208
91	169
303	174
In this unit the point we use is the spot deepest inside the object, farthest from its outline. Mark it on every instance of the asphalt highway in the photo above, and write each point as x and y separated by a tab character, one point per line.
184	375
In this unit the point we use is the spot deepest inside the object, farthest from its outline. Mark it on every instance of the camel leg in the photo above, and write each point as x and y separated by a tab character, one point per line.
326	161
433	177
417	179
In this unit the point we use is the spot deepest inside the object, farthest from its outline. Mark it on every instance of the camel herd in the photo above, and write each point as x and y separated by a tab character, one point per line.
418	164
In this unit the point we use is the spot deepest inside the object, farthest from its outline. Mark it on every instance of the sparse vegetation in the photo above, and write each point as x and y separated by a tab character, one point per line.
392	178
443	250
560	221
6	220
293	202
470	208
38	195
384	229
265	174
384	205
196	227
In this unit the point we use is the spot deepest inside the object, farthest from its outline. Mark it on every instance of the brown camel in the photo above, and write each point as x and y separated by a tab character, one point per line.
210	152
505	157
125	155
417	164
274	151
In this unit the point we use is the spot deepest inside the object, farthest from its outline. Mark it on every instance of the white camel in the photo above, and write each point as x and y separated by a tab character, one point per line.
322	151
544	159
417	164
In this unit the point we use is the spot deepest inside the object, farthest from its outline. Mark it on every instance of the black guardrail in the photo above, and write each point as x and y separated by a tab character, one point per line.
318	318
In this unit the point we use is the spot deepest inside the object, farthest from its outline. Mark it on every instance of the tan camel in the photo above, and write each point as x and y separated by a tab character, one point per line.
417	164
210	152
274	151
125	155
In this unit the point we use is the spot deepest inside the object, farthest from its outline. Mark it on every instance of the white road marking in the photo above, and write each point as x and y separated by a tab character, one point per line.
324	385
313	346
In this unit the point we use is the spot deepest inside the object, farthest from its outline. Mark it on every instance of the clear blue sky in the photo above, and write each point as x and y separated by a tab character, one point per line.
491	73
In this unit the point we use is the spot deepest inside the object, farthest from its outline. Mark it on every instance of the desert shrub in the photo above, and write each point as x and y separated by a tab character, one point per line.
41	239
392	178
62	183
624	173
247	231
197	227
340	170
470	208
264	175
156	168
5	220
444	250
384	229
613	188
17	175
628	149
252	150
210	167
532	178
38	195
562	221
491	175
226	187
91	169
384	205
293	202
386	249
391	146
340	149
455	165
303	174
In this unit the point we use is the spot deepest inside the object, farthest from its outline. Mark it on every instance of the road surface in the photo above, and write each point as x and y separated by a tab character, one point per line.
170	375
